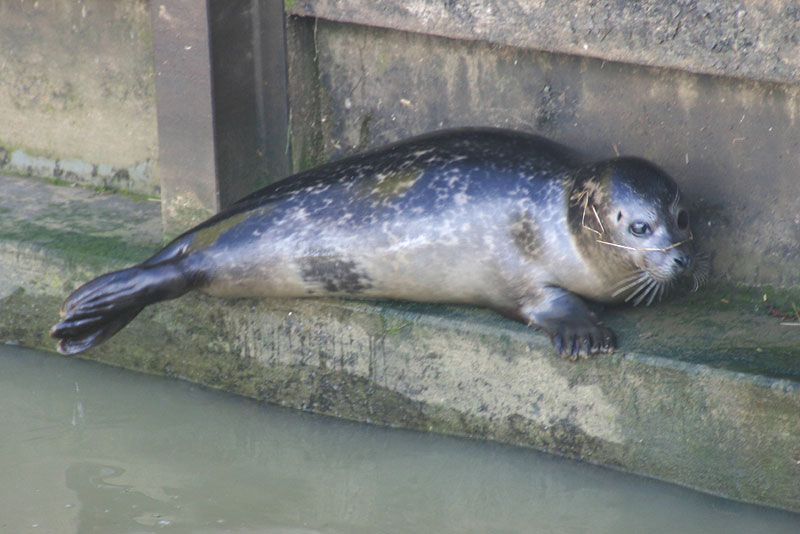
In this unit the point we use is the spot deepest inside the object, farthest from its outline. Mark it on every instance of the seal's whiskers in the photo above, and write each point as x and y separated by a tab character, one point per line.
643	288
655	292
662	289
701	270
636	279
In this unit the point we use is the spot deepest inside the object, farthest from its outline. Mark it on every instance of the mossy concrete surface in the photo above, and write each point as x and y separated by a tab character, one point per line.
704	392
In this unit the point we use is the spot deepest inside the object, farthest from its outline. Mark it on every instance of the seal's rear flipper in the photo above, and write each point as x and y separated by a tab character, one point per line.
100	308
80	341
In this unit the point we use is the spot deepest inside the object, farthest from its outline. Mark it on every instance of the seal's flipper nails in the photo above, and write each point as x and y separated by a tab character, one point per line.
77	342
100	308
575	331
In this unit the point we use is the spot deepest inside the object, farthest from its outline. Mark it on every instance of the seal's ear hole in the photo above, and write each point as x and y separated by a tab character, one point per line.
683	219
619	216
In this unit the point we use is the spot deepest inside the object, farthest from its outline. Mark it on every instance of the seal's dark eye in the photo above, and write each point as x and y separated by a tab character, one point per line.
640	228
683	220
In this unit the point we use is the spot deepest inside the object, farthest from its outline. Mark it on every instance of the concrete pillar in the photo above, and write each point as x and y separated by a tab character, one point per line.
222	106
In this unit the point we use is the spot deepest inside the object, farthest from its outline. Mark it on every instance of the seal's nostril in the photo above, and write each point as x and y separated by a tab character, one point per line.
683	261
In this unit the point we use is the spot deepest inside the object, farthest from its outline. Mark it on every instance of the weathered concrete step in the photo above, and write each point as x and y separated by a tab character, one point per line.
705	391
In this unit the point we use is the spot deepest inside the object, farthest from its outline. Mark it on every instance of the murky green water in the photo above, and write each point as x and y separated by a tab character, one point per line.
85	448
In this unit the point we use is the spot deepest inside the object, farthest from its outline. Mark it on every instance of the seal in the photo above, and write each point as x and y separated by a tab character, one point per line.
494	218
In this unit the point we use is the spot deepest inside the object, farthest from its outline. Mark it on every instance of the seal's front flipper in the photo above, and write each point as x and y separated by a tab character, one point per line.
576	332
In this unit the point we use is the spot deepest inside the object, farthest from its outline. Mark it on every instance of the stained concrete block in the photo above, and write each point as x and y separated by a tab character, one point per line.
748	38
77	100
704	391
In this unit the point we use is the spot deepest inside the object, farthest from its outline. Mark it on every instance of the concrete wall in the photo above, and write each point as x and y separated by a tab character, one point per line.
755	39
76	92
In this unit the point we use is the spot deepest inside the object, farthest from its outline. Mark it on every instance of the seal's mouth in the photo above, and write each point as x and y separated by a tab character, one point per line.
647	286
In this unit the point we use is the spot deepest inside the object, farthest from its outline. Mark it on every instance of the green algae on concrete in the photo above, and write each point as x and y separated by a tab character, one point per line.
79	247
722	326
649	408
79	226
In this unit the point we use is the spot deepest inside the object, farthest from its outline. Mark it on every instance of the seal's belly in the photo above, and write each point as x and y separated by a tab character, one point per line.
446	257
432	274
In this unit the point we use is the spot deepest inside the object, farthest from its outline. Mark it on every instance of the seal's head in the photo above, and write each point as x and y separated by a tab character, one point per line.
629	212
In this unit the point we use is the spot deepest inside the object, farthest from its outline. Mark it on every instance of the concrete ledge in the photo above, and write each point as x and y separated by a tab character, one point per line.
749	39
705	393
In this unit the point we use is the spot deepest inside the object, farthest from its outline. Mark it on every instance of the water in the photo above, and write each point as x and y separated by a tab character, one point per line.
86	448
